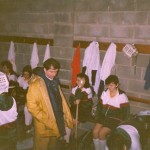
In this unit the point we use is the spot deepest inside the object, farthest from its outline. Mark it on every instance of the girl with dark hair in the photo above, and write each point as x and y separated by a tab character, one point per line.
112	109
82	95
24	78
7	68
23	83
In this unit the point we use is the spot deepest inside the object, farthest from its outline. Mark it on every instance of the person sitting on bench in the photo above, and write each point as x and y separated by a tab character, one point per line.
112	109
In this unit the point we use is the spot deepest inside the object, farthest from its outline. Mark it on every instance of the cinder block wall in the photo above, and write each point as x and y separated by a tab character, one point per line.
121	21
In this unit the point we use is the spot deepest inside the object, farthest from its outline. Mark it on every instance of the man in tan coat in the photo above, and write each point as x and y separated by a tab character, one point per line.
48	106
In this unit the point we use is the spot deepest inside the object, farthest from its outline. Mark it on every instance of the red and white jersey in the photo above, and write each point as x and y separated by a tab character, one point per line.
87	91
117	101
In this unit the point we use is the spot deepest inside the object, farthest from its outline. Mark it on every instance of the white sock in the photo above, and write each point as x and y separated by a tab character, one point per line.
102	144
67	136
106	147
96	144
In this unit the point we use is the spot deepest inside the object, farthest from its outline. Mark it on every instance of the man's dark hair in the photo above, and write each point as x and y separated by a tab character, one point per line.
116	142
112	79
51	62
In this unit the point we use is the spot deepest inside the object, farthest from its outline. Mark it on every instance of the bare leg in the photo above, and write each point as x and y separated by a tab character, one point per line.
103	136
96	131
104	132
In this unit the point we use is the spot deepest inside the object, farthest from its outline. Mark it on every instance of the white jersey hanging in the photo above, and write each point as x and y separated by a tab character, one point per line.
91	61
108	61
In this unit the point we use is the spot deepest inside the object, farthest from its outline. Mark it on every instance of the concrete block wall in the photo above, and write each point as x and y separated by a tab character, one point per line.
125	21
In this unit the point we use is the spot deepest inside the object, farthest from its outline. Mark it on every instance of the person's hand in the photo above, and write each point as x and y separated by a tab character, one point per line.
77	101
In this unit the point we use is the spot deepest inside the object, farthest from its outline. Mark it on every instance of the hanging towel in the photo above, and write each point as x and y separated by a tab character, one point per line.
75	65
91	64
107	65
12	55
47	53
147	78
34	56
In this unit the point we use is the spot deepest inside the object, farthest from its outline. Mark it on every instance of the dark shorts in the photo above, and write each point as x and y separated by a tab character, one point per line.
110	122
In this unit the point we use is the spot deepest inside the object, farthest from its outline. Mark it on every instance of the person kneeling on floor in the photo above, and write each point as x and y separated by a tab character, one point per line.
8	116
129	135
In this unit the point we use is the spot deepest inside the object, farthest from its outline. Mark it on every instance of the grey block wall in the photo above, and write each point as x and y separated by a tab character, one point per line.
125	21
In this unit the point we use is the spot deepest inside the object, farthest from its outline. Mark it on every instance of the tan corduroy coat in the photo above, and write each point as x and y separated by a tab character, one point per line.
39	105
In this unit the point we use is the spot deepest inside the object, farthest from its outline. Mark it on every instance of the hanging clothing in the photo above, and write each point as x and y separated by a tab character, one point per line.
75	66
47	53
34	56
91	64
147	78
12	55
101	88
107	65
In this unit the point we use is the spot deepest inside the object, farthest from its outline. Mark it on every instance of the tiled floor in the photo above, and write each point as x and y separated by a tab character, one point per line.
26	142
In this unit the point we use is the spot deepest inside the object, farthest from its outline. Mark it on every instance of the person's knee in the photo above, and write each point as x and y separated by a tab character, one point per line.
95	133
104	133
102	136
96	130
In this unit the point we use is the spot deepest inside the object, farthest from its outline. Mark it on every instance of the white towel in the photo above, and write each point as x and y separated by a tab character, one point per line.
12	55
92	61
108	61
34	56
47	53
